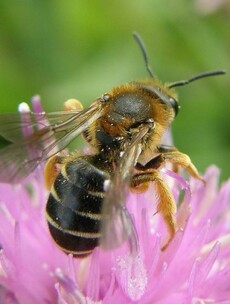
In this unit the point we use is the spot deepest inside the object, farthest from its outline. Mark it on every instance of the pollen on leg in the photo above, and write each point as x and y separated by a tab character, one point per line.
140	188
166	207
51	170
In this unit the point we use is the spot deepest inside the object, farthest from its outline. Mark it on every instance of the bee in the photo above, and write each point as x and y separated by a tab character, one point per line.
124	128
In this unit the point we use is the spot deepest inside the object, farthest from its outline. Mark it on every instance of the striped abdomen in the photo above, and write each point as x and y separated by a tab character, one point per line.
74	207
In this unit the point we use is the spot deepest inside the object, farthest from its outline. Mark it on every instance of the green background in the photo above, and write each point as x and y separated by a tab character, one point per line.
81	49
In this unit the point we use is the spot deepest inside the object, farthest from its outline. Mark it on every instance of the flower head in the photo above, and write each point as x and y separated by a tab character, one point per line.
195	267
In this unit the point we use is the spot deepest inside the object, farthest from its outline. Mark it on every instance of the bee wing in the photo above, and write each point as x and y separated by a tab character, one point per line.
42	139
13	126
117	225
167	138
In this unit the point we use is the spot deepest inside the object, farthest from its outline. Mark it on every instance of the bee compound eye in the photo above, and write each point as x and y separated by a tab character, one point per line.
174	104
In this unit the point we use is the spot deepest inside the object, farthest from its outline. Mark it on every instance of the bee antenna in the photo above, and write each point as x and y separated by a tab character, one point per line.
141	44
196	77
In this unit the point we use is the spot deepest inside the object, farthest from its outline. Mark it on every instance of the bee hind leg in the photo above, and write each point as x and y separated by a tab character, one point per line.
166	205
52	169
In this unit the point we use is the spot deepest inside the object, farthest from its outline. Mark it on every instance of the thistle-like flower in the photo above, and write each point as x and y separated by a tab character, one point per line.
194	268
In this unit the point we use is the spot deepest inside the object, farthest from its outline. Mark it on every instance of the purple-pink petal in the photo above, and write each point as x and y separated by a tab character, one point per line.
195	268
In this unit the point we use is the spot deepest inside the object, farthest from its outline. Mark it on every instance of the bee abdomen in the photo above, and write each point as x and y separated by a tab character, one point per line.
73	211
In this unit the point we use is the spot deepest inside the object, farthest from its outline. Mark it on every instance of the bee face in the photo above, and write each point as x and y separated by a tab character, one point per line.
142	100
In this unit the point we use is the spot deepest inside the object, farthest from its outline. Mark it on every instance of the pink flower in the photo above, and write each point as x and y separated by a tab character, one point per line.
195	268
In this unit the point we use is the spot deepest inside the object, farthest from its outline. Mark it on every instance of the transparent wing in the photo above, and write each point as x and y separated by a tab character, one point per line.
167	138
12	125
117	225
43	138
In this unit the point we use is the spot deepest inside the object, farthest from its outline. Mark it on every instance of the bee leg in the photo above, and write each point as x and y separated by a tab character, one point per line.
175	157
154	163
72	104
52	169
166	203
179	159
168	148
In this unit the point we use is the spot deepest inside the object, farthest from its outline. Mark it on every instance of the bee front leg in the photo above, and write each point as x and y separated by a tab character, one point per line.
72	105
175	157
166	205
179	159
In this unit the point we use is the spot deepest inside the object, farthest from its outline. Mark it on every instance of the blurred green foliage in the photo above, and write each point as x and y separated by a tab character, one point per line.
63	49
